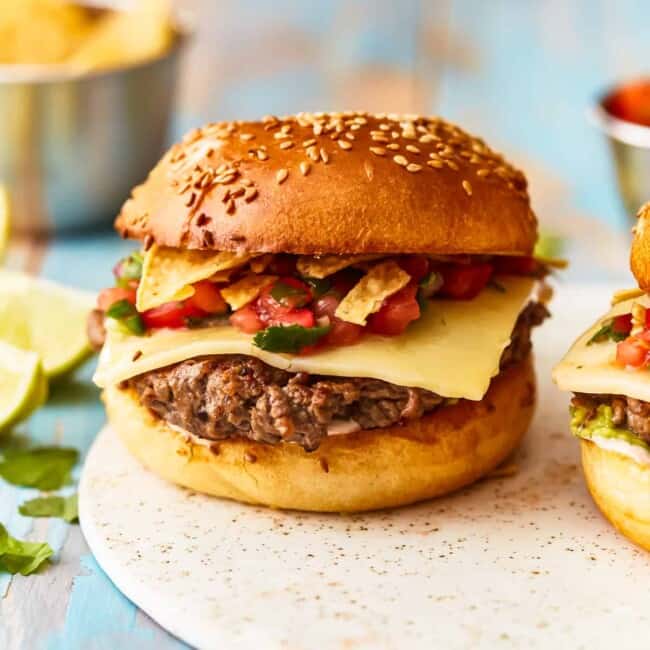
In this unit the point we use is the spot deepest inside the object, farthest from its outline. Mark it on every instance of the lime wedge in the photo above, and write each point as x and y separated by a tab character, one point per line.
23	385
5	216
46	318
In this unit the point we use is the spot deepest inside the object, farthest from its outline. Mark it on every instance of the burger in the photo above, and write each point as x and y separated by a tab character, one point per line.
328	312
607	370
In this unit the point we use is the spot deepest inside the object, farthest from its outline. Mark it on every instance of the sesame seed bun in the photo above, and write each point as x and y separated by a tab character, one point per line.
621	489
640	255
436	454
333	183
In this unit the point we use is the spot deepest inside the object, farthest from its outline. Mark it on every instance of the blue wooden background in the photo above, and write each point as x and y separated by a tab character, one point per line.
523	73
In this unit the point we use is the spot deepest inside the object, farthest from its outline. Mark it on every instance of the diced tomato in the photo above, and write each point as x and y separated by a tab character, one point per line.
417	266
515	265
208	298
110	296
341	332
246	320
172	314
623	324
464	282
632	352
396	313
304	317
631	102
283	265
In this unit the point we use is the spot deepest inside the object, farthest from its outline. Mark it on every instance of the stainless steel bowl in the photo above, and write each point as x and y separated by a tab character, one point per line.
630	147
73	145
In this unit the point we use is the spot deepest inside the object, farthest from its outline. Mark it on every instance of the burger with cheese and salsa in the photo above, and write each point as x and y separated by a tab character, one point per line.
608	371
329	312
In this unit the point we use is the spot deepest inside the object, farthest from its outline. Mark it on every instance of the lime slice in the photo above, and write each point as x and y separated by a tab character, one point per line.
46	318
23	386
5	215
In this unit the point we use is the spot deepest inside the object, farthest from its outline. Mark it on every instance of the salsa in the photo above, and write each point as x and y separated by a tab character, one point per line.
297	314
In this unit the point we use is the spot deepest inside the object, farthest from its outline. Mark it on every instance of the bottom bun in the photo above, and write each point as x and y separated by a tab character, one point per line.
379	468
621	489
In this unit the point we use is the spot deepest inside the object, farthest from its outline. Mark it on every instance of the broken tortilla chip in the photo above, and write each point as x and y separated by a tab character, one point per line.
626	294
322	267
248	288
168	273
259	264
367	295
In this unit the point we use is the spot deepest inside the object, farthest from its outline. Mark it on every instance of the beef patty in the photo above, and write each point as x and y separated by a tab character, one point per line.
230	396
627	412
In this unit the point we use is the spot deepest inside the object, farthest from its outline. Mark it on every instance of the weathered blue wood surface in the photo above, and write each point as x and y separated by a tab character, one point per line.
521	73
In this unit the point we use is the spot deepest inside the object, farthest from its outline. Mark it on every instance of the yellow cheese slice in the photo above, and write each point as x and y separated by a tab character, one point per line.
453	349
591	368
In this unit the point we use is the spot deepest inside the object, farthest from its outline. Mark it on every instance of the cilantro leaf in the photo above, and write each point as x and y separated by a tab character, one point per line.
55	506
607	333
17	556
44	468
281	291
290	338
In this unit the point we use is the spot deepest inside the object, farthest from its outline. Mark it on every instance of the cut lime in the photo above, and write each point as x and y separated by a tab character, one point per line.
5	216
23	386
46	318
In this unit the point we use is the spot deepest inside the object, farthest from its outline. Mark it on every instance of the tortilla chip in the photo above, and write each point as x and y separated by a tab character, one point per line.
259	264
552	262
322	267
626	294
243	291
367	295
167	273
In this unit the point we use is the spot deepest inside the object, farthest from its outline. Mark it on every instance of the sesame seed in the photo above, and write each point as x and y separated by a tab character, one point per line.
286	145
369	169
280	135
190	202
482	173
262	155
324	156
384	127
427	137
238	192
246	136
312	152
281	176
400	160
305	168
378	151
393	146
309	143
412	148
349	135
380	138
318	128
438	164
285	128
413	167
344	144
250	194
467	187
452	165
395	135
231	207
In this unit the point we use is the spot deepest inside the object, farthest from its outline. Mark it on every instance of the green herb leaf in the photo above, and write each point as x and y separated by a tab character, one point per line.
21	557
44	468
318	287
281	291
121	309
134	324
607	333
62	507
290	338
130	269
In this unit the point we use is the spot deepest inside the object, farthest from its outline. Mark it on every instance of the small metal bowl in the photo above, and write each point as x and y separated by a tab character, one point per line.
630	147
72	145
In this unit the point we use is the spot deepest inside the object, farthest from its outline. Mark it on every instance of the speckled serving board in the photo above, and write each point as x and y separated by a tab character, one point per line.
518	561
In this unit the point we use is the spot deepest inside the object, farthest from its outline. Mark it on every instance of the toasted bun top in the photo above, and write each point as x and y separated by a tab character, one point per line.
640	255
333	183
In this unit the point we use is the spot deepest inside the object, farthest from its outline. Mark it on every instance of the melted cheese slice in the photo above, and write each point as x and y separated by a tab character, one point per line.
453	349
591	368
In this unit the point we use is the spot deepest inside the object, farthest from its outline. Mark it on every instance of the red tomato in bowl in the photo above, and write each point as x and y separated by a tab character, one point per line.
396	313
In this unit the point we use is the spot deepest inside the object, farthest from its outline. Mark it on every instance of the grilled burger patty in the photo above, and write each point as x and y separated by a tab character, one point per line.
230	396
627	412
